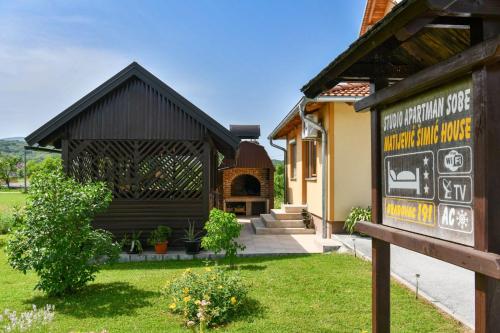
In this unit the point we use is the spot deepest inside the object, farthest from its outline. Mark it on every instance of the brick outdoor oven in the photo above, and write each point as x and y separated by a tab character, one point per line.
248	180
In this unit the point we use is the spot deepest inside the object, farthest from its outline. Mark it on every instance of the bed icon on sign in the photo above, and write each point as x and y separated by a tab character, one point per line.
453	160
410	175
404	179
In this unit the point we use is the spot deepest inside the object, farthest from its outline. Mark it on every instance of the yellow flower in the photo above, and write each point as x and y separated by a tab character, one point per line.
187	299
220	287
185	290
233	300
172	306
208	269
197	302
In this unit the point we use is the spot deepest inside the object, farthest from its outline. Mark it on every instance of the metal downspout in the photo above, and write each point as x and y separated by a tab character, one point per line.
302	106
285	156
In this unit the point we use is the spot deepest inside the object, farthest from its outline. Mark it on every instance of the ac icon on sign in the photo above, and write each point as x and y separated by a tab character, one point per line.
455	217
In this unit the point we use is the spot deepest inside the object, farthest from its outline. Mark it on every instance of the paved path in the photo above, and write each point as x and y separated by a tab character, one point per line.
448	286
275	244
256	245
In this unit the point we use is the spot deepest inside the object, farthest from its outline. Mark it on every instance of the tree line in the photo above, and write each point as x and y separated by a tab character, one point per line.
12	167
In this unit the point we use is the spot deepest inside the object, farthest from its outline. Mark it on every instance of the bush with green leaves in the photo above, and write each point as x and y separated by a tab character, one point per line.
54	236
279	181
48	164
209	298
357	214
222	229
6	222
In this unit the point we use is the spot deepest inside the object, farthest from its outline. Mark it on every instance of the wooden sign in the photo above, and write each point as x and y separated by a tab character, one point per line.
427	163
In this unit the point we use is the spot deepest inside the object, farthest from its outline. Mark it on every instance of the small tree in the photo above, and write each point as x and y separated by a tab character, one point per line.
222	230
279	181
48	164
54	237
8	167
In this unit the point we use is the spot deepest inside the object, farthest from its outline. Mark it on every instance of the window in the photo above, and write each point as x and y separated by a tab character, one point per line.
311	149
293	159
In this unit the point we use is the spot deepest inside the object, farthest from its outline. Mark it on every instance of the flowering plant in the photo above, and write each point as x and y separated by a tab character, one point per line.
209	298
29	321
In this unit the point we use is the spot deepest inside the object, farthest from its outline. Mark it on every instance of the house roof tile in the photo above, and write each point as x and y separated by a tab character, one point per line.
350	89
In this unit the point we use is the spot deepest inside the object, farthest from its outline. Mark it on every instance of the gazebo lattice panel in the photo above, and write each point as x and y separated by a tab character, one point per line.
140	169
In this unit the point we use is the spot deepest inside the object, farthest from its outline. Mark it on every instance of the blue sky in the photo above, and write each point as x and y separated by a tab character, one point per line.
242	62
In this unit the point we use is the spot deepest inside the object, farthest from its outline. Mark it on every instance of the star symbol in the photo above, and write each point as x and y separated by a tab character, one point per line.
426	160
426	175
426	189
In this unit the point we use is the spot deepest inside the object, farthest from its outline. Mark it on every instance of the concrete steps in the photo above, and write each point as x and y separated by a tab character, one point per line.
288	208
281	214
260	228
272	222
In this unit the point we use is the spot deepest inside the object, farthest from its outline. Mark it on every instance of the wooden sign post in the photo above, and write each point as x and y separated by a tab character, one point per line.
435	175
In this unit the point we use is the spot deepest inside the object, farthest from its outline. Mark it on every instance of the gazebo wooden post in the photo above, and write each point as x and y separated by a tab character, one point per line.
381	251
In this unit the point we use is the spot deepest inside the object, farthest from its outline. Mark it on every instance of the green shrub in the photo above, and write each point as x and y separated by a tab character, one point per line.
357	214
279	181
206	299
48	164
6	222
222	228
54	236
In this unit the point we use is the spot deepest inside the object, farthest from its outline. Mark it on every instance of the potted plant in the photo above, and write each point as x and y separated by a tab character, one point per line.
192	239
133	244
159	238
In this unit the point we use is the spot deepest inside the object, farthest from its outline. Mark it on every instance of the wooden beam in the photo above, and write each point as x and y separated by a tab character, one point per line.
381	286
381	250
413	27
367	71
486	121
460	8
365	45
454	67
479	261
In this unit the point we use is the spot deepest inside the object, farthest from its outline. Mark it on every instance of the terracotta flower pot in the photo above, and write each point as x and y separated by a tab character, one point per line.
161	248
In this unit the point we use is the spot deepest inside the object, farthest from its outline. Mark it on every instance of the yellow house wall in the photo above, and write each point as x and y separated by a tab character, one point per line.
295	185
351	160
313	192
348	164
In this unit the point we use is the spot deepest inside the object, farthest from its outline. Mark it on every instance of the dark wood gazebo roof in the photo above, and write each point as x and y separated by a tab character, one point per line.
155	150
52	132
415	35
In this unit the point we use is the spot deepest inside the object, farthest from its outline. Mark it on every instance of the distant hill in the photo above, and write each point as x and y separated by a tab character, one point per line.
276	162
15	146
17	138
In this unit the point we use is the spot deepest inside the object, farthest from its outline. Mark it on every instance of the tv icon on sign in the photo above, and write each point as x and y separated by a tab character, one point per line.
453	160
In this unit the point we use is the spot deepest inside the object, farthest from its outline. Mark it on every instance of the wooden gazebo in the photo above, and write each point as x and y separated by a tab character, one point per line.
157	151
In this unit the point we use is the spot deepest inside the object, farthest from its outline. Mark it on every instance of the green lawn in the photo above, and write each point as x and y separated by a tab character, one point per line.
319	293
9	199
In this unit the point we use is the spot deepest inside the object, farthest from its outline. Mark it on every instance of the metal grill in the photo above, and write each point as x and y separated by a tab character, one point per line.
140	169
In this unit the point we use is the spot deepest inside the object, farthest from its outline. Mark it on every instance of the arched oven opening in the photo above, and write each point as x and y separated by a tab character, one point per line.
245	185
